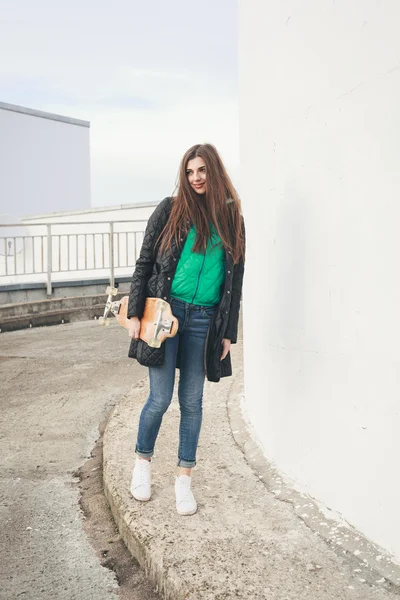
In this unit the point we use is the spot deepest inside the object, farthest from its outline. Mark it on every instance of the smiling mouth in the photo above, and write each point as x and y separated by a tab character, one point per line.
198	185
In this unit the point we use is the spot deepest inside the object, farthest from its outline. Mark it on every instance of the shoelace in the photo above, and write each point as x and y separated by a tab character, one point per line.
143	472
185	493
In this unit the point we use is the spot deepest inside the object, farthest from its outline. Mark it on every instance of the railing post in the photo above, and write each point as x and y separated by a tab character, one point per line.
49	260
112	254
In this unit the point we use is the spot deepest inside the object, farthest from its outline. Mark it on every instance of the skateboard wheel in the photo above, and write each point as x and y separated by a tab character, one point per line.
111	290
104	321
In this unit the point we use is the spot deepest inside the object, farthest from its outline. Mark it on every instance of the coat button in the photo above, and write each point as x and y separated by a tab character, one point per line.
228	292
174	259
229	272
169	278
165	297
226	312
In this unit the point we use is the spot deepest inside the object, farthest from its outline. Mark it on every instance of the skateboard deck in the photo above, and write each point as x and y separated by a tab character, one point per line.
157	324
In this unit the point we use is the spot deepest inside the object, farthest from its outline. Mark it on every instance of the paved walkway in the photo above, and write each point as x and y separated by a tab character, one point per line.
244	542
57	385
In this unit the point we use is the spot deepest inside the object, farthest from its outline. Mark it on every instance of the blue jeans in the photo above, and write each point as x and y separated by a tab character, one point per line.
191	339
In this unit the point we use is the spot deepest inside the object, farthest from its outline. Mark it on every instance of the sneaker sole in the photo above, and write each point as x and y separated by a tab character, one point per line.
140	498
186	514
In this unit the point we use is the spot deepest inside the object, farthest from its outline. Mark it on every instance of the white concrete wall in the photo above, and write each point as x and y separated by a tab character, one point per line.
125	212
44	164
320	128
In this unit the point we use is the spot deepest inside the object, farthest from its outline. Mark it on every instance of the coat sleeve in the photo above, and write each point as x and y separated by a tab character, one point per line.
145	262
237	283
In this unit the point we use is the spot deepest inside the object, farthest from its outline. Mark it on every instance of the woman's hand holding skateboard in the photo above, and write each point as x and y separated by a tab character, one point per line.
157	323
134	327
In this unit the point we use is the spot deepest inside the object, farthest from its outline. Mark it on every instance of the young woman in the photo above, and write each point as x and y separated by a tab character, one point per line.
193	257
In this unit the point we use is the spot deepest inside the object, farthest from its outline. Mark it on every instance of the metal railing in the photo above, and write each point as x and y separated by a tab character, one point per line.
111	245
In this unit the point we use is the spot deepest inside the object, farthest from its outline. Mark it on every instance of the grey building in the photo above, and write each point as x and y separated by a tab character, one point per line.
44	162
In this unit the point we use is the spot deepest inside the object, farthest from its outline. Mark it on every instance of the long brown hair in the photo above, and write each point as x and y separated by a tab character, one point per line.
220	206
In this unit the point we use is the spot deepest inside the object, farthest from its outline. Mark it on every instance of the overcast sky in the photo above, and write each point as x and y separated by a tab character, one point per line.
153	78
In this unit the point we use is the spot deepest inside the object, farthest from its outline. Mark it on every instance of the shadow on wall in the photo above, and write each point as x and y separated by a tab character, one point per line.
289	312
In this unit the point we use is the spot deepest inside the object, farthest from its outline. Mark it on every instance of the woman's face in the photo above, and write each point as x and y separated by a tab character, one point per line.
196	174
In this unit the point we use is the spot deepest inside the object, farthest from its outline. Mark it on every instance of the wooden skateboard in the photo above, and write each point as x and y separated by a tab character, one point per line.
157	324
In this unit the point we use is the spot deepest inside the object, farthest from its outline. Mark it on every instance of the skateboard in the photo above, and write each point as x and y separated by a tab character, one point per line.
157	324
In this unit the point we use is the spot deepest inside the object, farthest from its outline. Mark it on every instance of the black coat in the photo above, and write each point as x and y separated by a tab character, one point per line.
153	277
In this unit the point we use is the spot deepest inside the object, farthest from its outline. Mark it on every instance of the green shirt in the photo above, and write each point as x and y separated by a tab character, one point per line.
199	277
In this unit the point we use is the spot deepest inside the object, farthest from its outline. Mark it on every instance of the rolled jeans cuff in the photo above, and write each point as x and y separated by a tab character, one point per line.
187	464
144	454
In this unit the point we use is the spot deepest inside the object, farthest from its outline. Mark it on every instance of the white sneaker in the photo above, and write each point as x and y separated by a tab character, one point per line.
185	502
141	480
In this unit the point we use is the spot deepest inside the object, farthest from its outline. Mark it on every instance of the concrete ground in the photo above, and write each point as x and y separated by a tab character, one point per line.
57	385
245	540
